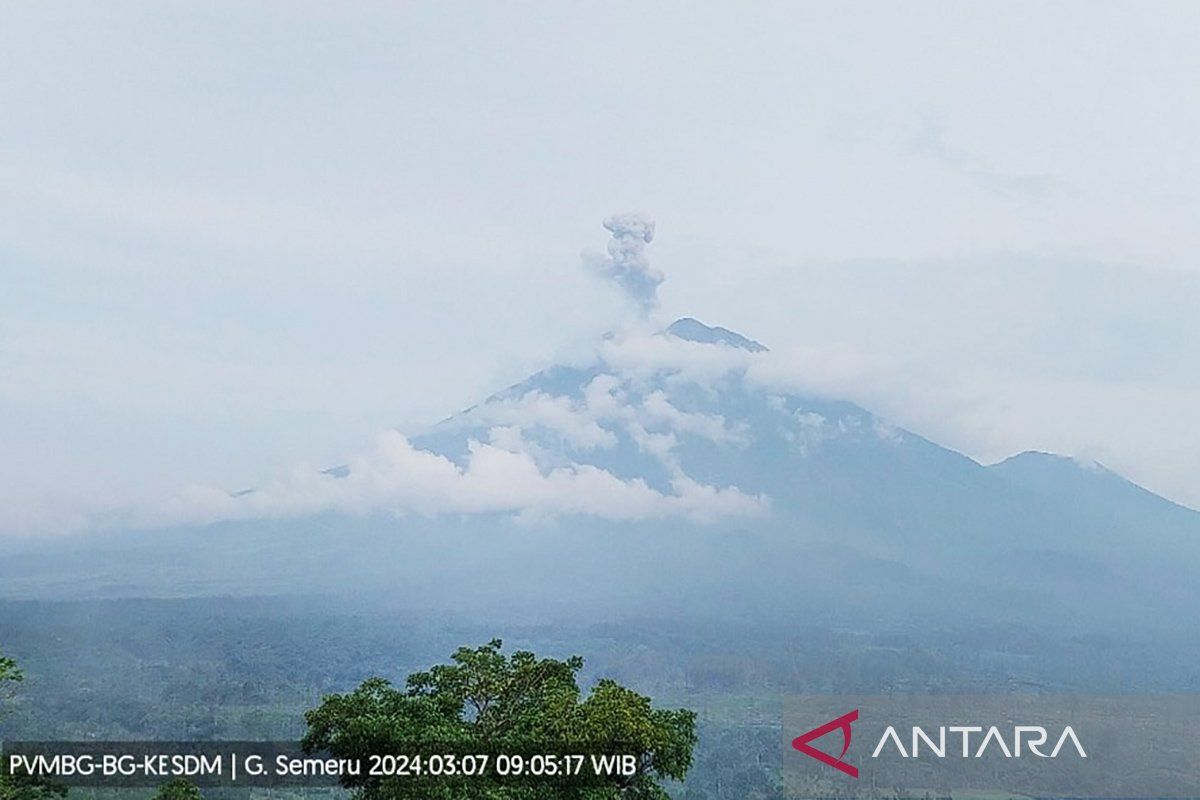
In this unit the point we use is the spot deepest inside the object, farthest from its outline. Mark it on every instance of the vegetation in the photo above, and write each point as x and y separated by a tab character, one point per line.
9	675
487	703
178	789
15	787
248	668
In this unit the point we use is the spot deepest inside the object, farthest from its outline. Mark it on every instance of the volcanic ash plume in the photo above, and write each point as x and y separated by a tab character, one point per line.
626	262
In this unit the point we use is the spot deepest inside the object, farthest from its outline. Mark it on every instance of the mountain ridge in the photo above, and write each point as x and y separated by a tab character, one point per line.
693	330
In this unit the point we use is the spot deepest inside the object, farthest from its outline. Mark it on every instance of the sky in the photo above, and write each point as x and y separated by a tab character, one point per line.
240	235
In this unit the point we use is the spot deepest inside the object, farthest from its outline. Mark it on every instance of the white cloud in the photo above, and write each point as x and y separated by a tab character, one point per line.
399	478
535	409
608	403
710	426
515	472
642	353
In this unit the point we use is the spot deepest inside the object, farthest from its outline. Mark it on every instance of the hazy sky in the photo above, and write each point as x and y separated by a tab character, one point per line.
234	236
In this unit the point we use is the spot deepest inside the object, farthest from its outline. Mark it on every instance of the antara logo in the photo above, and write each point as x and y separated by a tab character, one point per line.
843	722
1024	738
1033	737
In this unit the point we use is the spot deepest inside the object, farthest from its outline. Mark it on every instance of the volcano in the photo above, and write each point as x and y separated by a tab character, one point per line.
670	470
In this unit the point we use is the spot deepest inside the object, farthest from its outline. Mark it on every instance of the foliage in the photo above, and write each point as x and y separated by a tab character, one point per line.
178	789
246	669
17	787
487	702
9	674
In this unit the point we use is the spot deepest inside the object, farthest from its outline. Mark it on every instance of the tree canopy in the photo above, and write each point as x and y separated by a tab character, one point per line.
488	702
178	789
9	674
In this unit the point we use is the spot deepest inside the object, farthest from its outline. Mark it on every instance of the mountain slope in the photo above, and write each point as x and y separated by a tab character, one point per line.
1118	505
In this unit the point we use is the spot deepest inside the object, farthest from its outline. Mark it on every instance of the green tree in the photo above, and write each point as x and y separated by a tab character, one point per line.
9	675
18	787
487	702
178	789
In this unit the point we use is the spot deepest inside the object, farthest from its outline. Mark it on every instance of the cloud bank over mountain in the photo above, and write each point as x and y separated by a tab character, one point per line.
527	454
502	477
532	453
614	436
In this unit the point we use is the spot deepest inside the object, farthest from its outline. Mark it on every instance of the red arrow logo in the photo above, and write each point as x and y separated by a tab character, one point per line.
843	722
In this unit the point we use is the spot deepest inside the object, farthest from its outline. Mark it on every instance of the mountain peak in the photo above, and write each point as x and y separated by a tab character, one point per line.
693	330
1087	484
1040	459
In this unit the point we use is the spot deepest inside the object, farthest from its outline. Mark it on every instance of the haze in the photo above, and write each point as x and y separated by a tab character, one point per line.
244	235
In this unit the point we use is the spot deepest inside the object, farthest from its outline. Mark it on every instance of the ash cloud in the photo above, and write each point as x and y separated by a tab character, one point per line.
626	263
